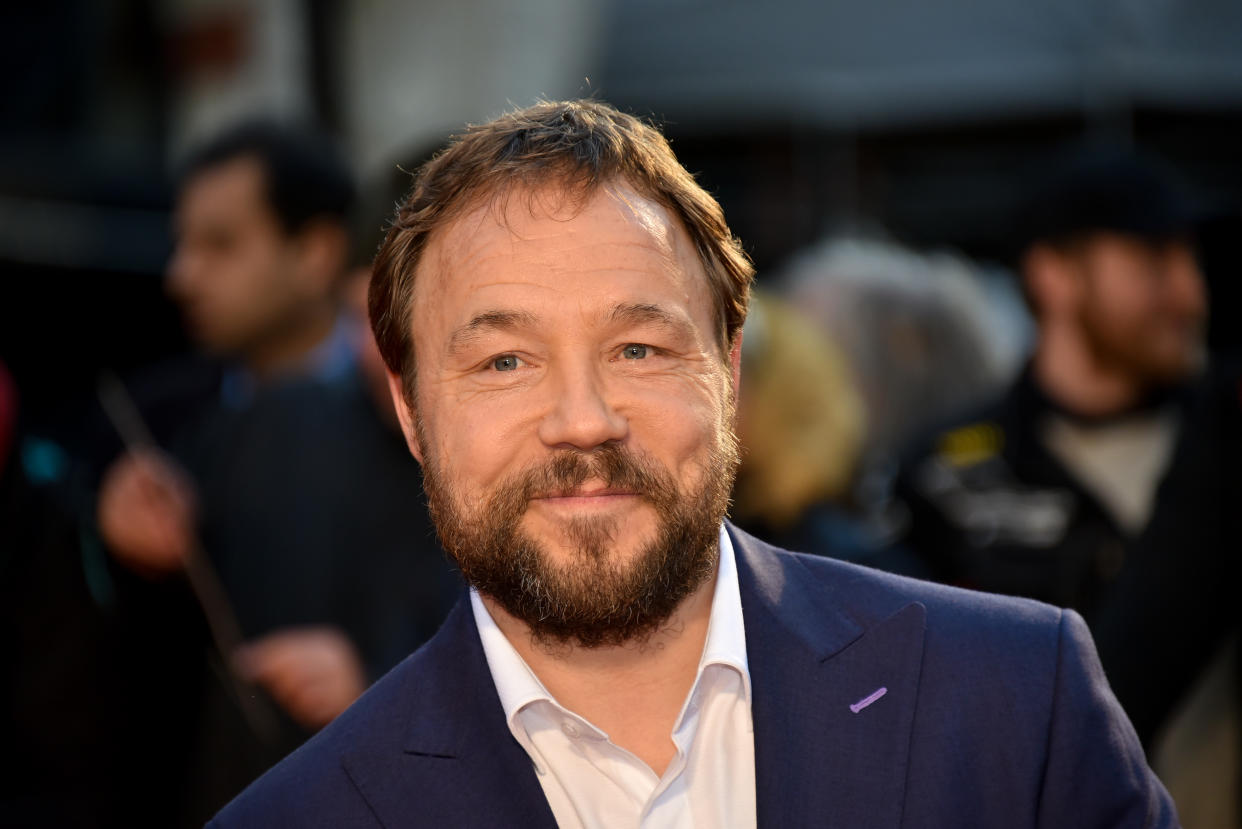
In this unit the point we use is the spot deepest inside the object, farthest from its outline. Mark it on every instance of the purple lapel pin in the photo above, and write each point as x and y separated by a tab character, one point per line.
867	700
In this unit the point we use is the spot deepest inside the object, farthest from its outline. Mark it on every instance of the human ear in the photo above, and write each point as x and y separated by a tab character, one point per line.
405	415
1051	281
322	247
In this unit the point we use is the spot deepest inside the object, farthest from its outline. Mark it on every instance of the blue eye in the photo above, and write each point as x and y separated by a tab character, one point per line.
506	363
634	352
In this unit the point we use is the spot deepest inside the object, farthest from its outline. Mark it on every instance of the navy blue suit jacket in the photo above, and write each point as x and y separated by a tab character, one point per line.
996	714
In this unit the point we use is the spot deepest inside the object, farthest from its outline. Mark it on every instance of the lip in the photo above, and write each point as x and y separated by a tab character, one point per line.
587	497
589	492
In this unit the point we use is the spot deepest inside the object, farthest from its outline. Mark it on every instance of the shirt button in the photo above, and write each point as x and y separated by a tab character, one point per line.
571	731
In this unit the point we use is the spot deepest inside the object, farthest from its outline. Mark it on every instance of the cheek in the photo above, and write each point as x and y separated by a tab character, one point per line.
258	272
1120	299
1132	290
483	442
681	429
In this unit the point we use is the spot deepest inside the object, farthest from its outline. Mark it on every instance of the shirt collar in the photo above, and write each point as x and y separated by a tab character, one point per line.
517	685
726	630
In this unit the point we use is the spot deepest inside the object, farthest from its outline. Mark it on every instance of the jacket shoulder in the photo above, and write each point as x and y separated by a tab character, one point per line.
968	635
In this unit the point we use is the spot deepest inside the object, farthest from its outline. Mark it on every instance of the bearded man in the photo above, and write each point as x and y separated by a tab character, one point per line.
560	309
1039	493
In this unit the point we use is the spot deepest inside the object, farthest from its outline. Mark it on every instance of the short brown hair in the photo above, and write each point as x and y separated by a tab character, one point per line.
581	145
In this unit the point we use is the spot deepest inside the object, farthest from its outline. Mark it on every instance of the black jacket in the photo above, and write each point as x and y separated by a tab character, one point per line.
991	508
1173	605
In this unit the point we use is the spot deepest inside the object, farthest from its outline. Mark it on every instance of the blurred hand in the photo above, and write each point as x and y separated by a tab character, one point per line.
314	673
147	512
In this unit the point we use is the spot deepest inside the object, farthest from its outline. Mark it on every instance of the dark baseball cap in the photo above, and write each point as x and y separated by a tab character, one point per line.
1104	188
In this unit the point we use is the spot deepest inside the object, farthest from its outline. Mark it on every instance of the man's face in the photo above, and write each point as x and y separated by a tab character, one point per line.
573	410
234	271
1143	306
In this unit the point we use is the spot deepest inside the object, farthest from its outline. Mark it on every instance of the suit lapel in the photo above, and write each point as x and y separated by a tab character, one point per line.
835	679
455	763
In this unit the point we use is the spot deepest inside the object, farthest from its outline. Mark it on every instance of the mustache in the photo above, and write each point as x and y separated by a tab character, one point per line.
614	465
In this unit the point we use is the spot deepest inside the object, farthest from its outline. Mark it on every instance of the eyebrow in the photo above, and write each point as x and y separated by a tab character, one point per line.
633	313
481	323
642	312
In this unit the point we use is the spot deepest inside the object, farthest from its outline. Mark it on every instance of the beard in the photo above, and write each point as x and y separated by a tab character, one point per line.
1154	353
592	599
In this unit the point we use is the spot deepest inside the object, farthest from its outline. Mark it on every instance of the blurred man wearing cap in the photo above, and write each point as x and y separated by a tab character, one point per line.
1039	493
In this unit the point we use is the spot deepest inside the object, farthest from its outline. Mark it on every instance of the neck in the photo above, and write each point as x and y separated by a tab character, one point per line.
633	692
284	351
1066	370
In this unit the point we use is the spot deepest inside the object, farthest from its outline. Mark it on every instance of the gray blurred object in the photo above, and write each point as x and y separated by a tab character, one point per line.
850	65
927	335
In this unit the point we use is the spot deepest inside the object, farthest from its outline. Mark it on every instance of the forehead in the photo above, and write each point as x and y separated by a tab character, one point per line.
547	243
221	190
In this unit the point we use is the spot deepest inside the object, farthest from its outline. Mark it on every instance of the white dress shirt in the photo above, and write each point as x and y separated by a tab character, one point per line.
591	782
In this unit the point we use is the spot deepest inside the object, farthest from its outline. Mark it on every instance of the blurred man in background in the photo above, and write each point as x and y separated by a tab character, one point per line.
1038	493
260	245
261	242
274	453
1048	491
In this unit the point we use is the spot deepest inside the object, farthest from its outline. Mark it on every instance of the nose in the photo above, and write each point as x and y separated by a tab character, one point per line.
582	415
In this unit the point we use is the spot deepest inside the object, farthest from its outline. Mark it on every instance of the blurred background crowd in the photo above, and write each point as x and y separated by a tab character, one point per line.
994	342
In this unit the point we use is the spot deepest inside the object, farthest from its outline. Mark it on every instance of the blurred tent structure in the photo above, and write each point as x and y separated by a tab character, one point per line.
922	114
849	66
